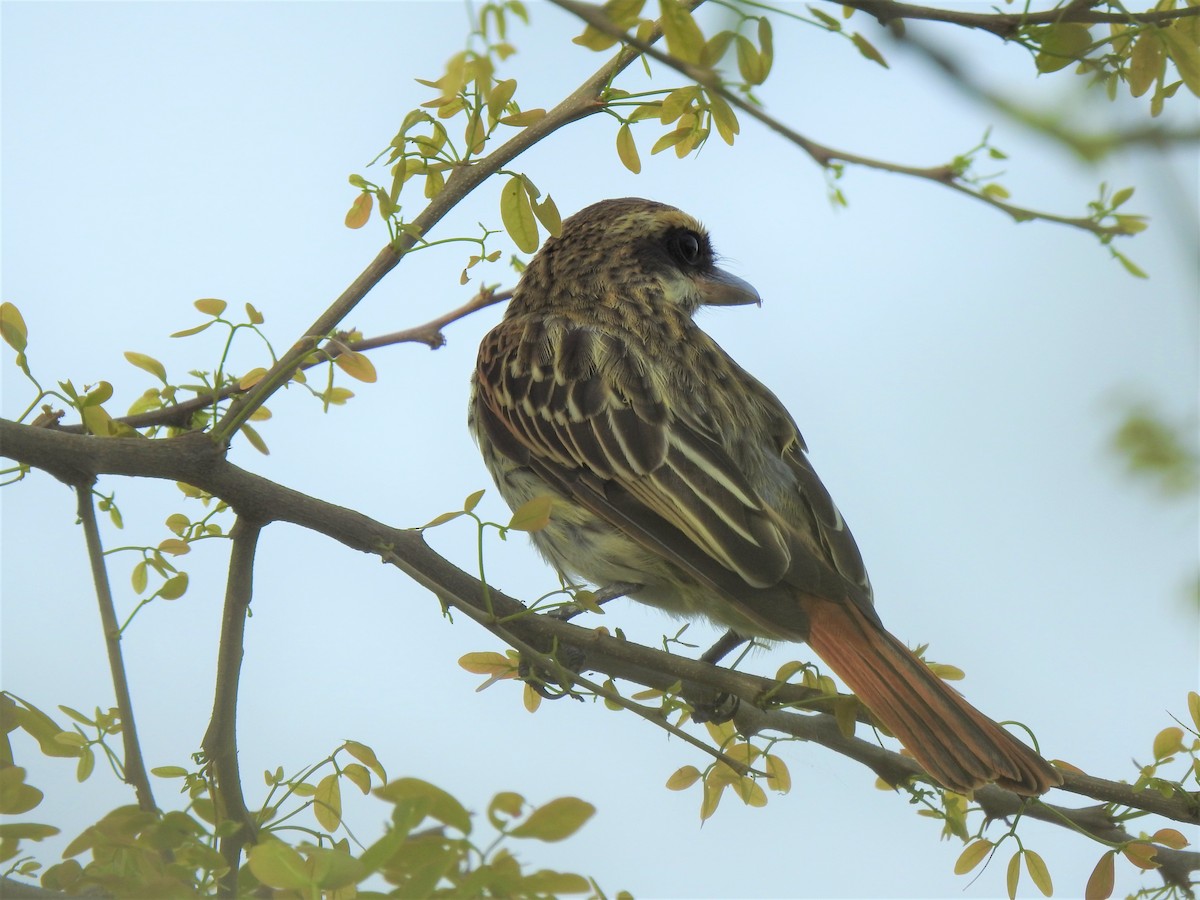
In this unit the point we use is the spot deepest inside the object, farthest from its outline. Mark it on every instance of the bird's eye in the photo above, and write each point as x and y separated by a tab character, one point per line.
687	247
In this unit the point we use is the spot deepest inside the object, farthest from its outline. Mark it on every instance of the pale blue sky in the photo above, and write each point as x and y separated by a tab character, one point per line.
956	377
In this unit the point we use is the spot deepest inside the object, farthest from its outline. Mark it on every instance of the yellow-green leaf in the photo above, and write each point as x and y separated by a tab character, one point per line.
17	797
1100	882
12	327
867	49
517	215
210	306
1170	837
148	364
547	213
1061	45
356	365
749	62
778	777
473	500
1185	54
682	778
670	139
1168	741
174	587
766	46
684	38
524	118
556	820
360	211
1013	876
99	394
255	439
1145	62
97	421
139	577
973	854
723	117
530	699
187	332
175	547
1036	867
532	515
327	802
441	806
1142	854
367	757
253	315
502	92
1193	703
277	865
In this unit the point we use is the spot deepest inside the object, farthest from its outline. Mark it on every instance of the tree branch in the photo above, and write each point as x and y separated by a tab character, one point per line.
220	740
1006	25
134	768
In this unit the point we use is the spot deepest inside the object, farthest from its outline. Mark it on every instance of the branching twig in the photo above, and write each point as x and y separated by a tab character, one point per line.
134	768
220	740
821	154
431	332
582	102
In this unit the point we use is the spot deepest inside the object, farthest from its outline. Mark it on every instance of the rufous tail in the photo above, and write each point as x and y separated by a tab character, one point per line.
952	740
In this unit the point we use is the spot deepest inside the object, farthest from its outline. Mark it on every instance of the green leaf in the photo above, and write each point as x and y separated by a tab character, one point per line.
473	500
502	92
825	19
187	332
750	64
169	772
766	45
555	821
1167	742
1061	45
517	215
533	515
723	117
1145	62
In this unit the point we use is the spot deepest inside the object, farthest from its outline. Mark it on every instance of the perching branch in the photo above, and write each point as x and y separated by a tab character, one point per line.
195	460
134	768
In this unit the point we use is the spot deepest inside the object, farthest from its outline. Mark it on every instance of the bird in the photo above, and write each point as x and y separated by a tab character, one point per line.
672	470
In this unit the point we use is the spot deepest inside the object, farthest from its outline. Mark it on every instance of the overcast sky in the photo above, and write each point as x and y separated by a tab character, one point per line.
957	378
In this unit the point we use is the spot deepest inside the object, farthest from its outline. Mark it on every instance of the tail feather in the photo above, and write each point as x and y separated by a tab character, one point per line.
956	743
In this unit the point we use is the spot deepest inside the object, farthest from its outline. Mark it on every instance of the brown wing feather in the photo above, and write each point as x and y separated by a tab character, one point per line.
617	426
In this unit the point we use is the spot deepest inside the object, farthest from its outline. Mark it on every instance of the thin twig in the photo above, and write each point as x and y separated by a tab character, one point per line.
220	740
1006	25
134	767
180	414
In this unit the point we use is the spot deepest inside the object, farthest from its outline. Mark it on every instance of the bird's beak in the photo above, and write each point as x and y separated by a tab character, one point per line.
719	288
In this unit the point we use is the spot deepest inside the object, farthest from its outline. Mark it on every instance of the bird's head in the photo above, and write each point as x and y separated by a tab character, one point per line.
630	251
